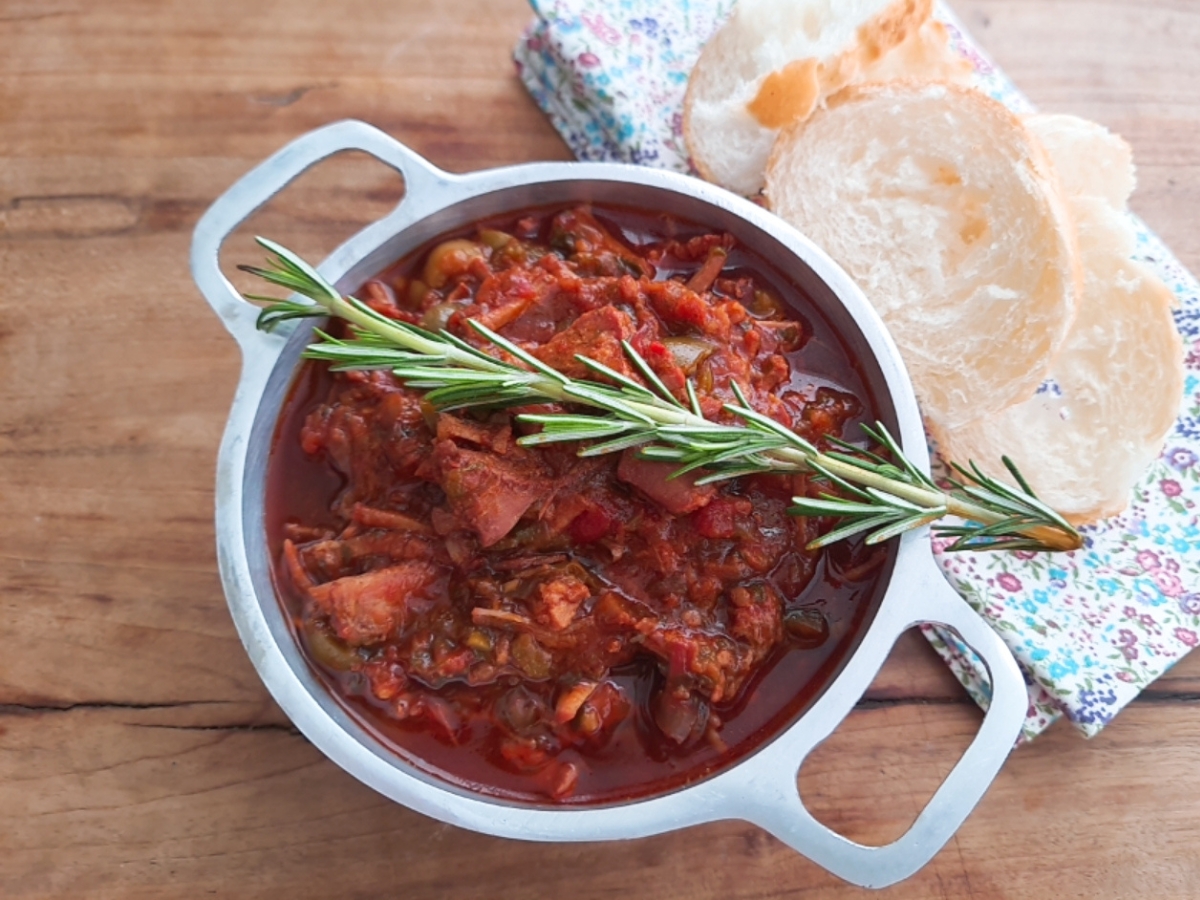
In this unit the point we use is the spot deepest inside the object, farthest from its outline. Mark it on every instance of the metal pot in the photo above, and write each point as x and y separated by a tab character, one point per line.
761	788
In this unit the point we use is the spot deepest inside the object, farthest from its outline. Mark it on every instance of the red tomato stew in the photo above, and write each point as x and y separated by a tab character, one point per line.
541	627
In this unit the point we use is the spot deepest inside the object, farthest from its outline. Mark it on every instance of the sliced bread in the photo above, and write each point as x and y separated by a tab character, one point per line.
1091	160
775	61
945	209
1115	390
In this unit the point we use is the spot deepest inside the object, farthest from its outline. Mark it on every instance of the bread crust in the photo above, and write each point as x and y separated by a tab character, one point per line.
926	55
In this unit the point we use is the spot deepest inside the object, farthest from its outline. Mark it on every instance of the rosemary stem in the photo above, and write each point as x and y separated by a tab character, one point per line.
890	498
665	416
1053	538
407	339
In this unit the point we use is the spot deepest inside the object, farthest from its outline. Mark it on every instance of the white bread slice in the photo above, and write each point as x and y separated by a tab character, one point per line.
1091	160
772	63
946	211
1087	437
1084	441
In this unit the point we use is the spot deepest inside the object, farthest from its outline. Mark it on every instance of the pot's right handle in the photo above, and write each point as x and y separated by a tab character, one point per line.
271	176
773	795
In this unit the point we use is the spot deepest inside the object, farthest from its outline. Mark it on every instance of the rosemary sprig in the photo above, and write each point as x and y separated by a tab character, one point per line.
878	497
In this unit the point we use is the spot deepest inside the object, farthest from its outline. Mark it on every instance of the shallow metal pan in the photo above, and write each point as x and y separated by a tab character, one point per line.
762	787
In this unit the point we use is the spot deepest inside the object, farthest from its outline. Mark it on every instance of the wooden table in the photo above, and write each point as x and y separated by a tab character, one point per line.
139	754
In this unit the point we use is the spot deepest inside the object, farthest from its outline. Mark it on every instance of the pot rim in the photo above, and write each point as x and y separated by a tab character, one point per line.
760	787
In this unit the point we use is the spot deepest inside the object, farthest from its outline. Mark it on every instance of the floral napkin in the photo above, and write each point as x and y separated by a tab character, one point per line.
1091	628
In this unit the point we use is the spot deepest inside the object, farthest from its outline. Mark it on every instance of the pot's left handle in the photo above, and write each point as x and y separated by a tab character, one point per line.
266	180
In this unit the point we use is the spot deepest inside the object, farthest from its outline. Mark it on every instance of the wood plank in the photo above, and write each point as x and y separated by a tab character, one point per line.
121	803
214	117
241	80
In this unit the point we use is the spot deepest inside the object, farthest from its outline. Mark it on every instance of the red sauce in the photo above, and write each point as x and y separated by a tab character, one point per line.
539	627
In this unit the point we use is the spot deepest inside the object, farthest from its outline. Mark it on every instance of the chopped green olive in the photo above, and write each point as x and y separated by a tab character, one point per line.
329	650
494	239
766	304
807	627
438	316
530	657
450	259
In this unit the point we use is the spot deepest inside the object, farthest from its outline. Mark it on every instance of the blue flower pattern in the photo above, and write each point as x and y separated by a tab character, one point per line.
611	74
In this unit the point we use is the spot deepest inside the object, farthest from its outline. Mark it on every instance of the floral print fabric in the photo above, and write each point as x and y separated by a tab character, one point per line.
1090	629
611	74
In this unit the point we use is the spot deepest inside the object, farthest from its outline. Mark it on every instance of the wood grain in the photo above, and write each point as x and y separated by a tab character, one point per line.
139	754
123	803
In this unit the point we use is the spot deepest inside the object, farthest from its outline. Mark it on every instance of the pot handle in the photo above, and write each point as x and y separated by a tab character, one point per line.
266	180
773	794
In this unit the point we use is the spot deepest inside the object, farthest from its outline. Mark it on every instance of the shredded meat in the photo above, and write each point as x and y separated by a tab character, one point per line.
488	493
596	334
558	601
678	496
369	608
